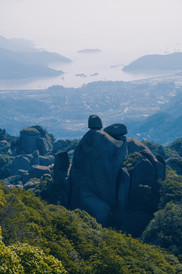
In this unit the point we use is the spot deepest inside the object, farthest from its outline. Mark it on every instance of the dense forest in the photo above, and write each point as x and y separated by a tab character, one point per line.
76	239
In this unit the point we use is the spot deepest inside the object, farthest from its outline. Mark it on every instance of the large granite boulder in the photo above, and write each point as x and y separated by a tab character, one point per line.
28	139
43	160
34	138
158	164
142	174
20	162
44	145
97	160
116	130
159	167
38	171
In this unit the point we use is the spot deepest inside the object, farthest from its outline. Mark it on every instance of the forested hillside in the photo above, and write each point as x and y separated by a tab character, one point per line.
73	237
35	224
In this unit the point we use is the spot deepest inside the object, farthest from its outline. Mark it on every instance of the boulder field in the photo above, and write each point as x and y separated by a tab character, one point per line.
111	176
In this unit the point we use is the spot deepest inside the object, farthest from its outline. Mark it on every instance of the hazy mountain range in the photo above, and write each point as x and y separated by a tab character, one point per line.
20	59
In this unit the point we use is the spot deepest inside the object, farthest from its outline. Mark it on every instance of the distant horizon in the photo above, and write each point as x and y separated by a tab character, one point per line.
88	66
121	28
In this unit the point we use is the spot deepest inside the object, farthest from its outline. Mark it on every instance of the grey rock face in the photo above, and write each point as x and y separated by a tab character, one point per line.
42	161
96	162
38	171
94	122
143	174
123	189
61	145
20	162
44	145
135	145
61	167
28	139
159	167
116	130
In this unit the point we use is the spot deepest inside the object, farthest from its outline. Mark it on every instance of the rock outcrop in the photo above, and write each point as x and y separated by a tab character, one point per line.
33	138
158	165
96	163
100	182
112	177
20	162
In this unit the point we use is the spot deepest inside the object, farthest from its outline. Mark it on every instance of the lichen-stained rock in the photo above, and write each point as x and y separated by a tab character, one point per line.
94	122
96	163
116	130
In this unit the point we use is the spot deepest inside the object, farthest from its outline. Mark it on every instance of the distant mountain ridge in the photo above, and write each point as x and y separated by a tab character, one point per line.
167	62
20	59
164	126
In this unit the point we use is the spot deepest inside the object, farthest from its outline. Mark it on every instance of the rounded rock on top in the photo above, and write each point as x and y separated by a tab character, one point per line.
94	122
116	130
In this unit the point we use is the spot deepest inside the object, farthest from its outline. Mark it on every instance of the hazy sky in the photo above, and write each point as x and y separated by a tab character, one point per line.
133	27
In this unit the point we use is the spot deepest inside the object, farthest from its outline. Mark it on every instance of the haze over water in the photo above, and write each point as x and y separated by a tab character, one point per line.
123	29
85	68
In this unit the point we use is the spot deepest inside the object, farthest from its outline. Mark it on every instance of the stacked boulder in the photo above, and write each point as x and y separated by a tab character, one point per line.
94	172
99	181
117	131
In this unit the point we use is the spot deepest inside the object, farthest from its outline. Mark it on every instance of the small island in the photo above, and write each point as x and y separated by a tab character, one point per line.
87	51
